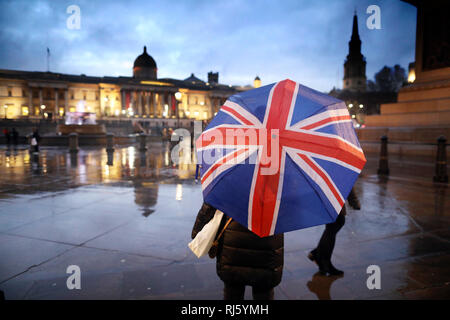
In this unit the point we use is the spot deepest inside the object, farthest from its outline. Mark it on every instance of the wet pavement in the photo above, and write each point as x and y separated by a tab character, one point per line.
125	219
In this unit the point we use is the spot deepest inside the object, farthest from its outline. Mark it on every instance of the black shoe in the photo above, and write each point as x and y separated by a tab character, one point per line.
325	266
332	271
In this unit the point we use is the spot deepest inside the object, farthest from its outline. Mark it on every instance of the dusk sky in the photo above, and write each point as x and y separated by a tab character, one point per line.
306	41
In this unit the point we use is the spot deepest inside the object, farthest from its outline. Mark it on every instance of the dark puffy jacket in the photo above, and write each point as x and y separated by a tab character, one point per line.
242	256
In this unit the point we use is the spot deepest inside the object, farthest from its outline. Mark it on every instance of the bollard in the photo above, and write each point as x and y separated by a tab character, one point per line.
109	142
383	166
73	142
143	142
441	161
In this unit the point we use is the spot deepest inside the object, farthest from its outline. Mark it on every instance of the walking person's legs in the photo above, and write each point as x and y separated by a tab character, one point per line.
233	291
262	293
322	254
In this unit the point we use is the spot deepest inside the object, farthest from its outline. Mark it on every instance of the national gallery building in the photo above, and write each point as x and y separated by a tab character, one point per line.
143	97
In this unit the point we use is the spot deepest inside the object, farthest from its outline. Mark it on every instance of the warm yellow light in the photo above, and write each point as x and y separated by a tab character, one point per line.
25	111
361	106
353	116
350	105
61	111
158	83
411	76
42	107
178	95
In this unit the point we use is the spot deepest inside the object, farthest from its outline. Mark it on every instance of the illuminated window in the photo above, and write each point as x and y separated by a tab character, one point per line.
25	111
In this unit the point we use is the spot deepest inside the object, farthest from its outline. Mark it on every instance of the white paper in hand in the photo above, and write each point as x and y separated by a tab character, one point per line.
203	241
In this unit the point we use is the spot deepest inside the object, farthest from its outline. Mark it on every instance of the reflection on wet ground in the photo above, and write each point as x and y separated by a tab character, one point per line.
125	218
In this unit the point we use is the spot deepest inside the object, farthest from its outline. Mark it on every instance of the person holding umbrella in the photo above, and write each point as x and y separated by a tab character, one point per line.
243	258
321	255
277	158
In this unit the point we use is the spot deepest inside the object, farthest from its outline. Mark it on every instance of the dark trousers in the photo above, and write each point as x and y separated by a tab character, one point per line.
328	239
236	292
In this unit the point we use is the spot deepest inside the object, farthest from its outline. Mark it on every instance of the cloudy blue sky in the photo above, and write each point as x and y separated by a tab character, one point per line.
306	41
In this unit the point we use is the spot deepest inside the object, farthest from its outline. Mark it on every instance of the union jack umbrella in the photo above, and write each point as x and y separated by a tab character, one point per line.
279	158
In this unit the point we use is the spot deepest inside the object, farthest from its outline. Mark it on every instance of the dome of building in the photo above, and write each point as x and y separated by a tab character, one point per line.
194	80
144	66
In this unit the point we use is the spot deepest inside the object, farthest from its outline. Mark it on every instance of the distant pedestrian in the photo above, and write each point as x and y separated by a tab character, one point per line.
7	135
322	254
35	139
15	137
243	258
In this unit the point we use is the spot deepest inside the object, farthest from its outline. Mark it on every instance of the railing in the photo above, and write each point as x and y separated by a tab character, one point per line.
441	159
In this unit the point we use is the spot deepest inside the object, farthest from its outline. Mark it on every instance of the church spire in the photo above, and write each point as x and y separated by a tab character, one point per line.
355	34
355	64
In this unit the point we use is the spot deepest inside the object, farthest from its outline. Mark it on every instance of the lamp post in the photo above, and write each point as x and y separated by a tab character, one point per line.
42	108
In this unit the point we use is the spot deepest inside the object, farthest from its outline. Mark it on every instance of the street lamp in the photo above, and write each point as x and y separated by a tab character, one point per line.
42	108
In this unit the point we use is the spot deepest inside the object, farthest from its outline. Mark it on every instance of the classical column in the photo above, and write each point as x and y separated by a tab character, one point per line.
66	100
155	104
56	104
41	102
139	104
122	107
163	103
30	101
147	103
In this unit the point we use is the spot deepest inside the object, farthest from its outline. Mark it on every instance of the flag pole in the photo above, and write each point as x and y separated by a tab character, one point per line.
48	59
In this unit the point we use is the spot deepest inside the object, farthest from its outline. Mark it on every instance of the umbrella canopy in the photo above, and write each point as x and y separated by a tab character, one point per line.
279	158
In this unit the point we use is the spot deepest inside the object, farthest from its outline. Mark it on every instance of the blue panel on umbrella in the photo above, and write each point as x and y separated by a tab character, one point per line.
231	194
300	200
342	177
344	130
